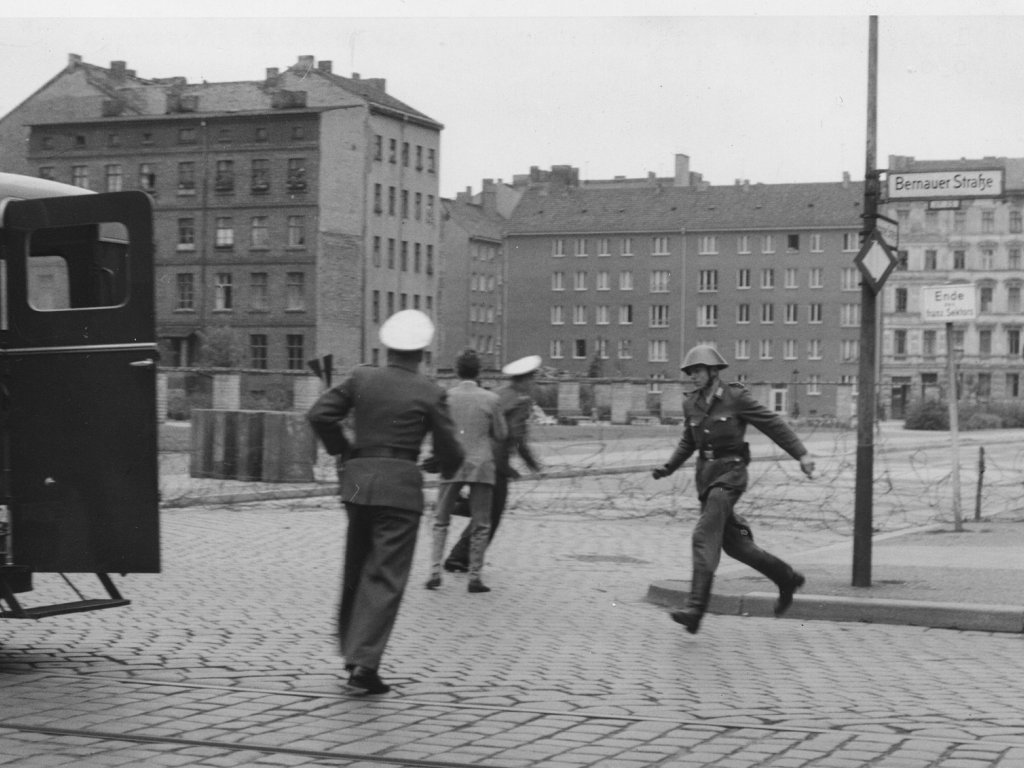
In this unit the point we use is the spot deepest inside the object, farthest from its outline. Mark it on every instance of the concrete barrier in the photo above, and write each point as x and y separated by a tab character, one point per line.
262	446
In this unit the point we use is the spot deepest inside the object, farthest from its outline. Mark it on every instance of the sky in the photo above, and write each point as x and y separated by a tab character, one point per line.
771	92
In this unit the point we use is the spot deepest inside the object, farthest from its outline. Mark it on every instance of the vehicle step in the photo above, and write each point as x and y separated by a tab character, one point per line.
55	610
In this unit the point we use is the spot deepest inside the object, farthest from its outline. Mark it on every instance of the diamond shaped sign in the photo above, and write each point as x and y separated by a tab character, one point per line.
875	260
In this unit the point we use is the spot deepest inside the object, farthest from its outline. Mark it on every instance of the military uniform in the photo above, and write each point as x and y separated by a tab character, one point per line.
392	410
715	427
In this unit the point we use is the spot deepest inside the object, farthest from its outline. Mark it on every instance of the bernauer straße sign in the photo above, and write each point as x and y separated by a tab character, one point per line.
930	185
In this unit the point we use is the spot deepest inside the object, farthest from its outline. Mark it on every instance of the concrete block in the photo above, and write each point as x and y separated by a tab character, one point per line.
289	448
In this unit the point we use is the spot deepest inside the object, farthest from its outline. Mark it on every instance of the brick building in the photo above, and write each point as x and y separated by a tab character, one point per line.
617	278
294	212
975	242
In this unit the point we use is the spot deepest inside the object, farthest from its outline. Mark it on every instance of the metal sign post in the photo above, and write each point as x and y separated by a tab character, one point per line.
949	303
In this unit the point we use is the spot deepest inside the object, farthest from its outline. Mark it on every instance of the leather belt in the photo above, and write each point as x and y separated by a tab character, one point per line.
710	455
384	452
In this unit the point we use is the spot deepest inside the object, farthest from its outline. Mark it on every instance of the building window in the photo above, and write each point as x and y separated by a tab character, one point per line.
658	316
579	314
225	233
429	268
1016	225
659	246
580	247
931	260
392	150
378	199
405	154
601	314
985	342
295	291
743	279
417	258
419	157
558	247
259	234
850	279
558	315
558	281
792	243
114	177
259	291
1013	257
707	245
1013	298
743	244
403	257
928	339
258	351
418	207
814	384
814	349
901	299
187	178
764	349
657	351
186	291
851	241
792	313
378	147
1013	341
789	349
80	176
405	204
767	278
742	314
296	231
626	246
988	221
186	135
899	343
816	243
392	201
626	314
792	277
707	281
849	315
767	243
579	281
557	349
767	314
814	313
849	350
959	259
579	349
147	177
741	349
602	247
260	181
624	349
988	258
431	161
707	316
625	281
603	281
295	349
224	180
46	172
428	216
186	234
985	298
1013	385
223	296
660	280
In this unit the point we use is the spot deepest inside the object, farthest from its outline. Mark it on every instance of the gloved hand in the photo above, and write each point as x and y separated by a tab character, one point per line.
660	472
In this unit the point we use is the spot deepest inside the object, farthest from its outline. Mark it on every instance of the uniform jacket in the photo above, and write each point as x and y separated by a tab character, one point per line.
517	408
479	424
393	407
716	428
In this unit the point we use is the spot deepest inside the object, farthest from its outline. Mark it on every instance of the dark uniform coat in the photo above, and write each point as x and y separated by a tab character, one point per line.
715	430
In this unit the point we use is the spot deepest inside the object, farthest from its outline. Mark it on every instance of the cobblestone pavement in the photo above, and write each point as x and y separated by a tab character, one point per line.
228	658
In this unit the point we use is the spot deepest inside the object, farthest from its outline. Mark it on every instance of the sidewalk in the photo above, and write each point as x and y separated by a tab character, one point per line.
930	576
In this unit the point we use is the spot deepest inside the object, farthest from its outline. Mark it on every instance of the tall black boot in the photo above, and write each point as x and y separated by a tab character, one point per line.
696	603
780	572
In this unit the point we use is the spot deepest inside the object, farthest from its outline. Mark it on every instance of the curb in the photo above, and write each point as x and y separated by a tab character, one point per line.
979	618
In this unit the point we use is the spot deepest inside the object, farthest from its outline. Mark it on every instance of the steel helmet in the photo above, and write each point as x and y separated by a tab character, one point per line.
703	354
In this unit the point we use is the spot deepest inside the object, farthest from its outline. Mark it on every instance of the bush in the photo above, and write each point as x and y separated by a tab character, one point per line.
982	421
928	414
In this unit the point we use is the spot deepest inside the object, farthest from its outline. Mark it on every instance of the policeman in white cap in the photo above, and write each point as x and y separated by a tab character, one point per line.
380	483
516	402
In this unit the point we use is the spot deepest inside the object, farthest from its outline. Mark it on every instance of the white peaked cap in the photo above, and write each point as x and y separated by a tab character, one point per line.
407	330
522	366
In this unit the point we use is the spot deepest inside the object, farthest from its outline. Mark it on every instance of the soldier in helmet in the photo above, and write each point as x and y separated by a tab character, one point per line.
394	408
716	416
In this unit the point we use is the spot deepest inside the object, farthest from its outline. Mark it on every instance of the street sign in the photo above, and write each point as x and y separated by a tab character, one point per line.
875	260
949	303
928	185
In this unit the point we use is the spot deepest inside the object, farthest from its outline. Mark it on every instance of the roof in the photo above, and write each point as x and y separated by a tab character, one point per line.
476	221
661	208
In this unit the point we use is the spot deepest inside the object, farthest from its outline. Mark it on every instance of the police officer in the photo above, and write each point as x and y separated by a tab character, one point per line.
716	416
516	404
380	483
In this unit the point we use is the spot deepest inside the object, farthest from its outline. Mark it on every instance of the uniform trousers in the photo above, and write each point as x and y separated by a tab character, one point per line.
499	496
719	529
379	551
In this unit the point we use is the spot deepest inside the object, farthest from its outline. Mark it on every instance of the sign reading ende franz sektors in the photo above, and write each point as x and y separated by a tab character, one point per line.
926	185
948	303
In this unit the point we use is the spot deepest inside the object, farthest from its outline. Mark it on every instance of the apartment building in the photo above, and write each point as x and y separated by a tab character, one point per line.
617	278
293	213
975	242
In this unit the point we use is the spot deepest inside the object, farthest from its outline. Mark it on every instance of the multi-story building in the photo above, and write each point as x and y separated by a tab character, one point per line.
294	213
976	242
618	278
472	284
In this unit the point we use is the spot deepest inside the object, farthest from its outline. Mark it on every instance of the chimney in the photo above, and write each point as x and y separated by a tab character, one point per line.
74	60
746	185
682	178
325	66
846	179
117	69
305	62
272	73
355	76
489	196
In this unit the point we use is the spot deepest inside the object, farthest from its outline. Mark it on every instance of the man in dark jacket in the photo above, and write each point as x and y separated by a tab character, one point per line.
516	404
393	409
716	416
